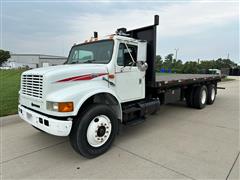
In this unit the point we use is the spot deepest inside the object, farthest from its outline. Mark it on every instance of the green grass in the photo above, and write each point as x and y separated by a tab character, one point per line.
164	74
9	87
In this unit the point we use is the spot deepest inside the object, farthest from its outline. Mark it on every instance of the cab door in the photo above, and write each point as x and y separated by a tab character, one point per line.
129	79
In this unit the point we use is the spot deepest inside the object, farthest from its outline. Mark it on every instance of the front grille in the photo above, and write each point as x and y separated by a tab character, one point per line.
32	85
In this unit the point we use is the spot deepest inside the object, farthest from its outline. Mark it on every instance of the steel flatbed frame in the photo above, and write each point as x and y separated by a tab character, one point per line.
179	80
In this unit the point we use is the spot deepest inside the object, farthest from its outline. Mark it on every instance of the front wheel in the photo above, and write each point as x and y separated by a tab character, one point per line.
94	130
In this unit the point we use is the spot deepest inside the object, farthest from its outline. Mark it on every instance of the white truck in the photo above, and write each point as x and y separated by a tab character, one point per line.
106	83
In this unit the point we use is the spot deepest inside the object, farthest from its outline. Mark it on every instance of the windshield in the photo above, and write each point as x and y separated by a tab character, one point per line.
99	52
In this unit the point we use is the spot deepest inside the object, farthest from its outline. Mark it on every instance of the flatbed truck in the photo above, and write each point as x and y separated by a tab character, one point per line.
106	83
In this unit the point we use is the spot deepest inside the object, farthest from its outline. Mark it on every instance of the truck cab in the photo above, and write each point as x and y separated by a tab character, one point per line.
110	71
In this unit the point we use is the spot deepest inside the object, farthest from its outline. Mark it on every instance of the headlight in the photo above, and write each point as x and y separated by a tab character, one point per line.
60	106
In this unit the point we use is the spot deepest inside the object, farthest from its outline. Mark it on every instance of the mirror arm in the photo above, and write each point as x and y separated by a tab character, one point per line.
129	53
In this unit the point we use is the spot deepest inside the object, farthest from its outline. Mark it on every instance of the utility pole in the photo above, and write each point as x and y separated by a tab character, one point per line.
176	51
228	56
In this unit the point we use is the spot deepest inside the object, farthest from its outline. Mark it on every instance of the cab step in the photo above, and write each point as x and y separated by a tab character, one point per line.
135	113
134	122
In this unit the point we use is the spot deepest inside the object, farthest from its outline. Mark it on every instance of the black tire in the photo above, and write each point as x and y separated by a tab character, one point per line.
198	93
189	96
38	129
211	94
78	135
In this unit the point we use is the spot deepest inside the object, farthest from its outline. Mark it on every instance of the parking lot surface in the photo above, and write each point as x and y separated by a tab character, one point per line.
177	142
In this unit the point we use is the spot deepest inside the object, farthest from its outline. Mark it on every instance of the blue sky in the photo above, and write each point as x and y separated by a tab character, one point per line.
205	30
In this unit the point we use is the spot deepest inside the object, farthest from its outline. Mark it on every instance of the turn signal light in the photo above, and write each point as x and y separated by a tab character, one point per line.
65	106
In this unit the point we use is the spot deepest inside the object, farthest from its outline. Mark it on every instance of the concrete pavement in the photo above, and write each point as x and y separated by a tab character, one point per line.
177	142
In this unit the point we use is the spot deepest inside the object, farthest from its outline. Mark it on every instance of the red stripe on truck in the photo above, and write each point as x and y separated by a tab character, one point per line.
82	77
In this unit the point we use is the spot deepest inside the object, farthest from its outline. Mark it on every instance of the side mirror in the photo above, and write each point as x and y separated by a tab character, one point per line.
142	66
142	51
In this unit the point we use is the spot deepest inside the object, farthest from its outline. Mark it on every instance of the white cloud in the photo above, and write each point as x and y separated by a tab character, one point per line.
196	17
182	20
175	20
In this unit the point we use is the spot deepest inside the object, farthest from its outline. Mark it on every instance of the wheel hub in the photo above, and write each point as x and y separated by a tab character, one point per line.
99	131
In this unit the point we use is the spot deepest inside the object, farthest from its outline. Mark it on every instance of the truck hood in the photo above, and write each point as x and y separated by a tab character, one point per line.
66	73
78	68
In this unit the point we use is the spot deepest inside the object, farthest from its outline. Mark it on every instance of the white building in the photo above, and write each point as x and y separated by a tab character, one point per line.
33	60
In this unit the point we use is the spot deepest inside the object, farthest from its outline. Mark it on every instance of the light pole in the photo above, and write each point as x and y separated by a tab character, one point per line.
228	56
176	51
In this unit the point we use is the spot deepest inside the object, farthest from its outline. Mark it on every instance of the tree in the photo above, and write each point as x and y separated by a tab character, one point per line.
217	64
225	63
169	58
177	66
159	62
4	56
168	62
190	67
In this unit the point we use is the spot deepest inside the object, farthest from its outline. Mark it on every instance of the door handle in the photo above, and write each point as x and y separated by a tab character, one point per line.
111	83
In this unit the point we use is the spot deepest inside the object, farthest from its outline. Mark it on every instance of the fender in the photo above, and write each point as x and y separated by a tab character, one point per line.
99	91
78	94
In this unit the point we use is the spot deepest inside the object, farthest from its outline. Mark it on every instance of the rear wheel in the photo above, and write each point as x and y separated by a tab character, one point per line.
211	94
94	130
200	97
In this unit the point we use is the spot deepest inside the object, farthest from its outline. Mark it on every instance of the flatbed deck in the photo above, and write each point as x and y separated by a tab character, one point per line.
169	80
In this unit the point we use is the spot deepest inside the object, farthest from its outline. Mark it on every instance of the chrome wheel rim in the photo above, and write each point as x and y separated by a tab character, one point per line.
213	94
99	131
204	96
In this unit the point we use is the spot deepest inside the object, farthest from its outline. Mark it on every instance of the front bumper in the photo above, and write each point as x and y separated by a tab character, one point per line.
49	125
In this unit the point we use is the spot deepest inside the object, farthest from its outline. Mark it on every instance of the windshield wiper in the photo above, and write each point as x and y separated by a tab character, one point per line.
74	62
79	62
89	61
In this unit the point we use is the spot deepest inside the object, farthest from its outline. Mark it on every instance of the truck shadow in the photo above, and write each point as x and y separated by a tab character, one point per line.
181	104
162	120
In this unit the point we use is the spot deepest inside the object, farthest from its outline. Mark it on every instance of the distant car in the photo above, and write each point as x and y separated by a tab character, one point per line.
214	71
5	67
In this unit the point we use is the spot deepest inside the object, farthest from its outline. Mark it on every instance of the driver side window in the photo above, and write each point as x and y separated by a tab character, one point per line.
124	58
82	55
